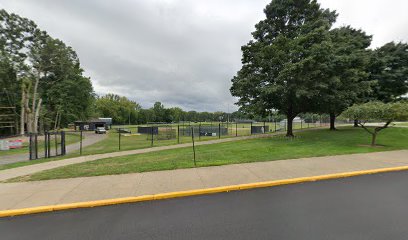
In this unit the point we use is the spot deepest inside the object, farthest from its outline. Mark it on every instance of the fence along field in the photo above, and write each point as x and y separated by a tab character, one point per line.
129	137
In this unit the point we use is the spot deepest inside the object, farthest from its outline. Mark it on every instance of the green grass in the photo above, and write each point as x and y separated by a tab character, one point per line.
307	144
111	143
404	124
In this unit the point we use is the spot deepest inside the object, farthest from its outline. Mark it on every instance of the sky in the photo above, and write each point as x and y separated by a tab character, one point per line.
182	53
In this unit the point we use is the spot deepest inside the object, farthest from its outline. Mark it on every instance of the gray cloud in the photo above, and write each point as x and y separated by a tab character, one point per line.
182	53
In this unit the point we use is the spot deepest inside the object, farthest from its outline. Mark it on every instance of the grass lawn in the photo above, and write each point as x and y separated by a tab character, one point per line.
110	144
308	144
404	124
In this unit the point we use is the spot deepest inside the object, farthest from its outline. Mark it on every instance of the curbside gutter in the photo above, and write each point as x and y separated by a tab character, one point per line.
161	196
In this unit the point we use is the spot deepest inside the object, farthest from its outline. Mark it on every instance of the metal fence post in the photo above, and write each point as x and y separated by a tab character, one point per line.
56	143
152	135
80	144
236	129
63	149
192	138
31	147
219	130
178	134
199	131
36	145
45	144
49	144
119	137
251	128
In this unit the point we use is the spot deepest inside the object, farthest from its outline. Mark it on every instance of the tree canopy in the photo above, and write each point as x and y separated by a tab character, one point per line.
346	80
42	76
389	68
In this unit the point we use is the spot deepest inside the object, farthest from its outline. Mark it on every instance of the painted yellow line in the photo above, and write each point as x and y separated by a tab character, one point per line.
98	203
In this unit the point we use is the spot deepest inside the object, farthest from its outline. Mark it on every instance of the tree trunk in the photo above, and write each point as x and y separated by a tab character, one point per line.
289	130
22	115
355	122
374	138
36	116
332	121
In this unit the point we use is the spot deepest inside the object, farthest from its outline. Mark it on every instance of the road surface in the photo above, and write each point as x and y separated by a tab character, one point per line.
365	207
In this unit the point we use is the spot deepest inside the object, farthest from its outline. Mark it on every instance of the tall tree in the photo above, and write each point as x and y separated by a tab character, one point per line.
390	69
284	65
347	76
49	78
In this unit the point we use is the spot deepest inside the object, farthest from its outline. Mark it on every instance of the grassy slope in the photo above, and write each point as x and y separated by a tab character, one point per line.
308	144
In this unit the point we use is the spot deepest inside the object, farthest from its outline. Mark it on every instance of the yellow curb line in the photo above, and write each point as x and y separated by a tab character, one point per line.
98	203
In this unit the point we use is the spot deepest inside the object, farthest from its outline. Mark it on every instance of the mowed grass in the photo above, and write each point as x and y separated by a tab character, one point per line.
130	142
403	124
308	144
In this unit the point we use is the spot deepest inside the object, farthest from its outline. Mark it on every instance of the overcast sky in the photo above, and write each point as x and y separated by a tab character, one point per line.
180	52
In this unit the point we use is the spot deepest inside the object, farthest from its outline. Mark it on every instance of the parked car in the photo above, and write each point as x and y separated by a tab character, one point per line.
100	130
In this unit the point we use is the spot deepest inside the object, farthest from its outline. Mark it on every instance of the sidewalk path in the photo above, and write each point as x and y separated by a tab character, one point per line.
31	194
89	139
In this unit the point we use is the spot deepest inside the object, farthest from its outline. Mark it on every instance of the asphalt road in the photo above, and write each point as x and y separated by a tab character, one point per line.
366	207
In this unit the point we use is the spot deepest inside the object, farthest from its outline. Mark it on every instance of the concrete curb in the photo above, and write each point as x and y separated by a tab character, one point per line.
98	203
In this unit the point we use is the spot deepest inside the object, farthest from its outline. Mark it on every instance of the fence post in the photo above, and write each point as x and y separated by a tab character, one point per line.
31	147
119	137
151	129
80	144
63	143
56	143
36	145
251	128
49	145
236	129
219	130
178	133
45	144
192	138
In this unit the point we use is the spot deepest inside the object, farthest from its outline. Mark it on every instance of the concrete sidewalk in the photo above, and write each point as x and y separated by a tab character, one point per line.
31	194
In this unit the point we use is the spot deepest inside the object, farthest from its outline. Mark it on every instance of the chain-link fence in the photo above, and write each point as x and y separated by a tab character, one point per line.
131	137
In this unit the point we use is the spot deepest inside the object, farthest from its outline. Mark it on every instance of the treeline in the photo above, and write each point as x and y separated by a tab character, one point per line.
125	111
40	77
298	63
